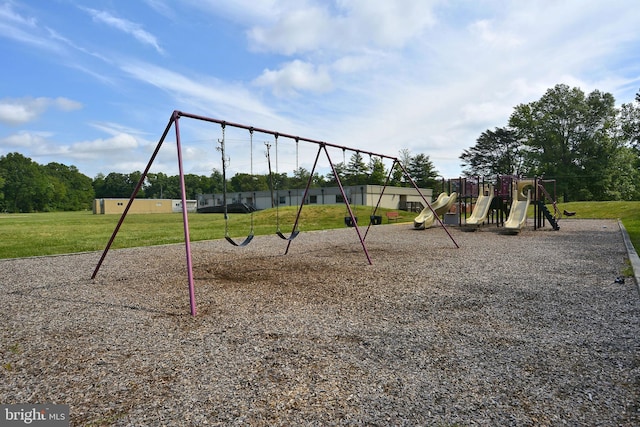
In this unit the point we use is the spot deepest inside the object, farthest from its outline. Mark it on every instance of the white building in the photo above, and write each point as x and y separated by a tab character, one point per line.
401	198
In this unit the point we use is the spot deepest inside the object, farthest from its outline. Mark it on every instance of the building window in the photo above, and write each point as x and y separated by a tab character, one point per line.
282	200
339	198
313	199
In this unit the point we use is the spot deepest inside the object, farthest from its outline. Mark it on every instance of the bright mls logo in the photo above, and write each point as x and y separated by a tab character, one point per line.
35	415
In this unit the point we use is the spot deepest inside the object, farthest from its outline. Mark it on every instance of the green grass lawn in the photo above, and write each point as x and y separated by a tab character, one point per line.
24	235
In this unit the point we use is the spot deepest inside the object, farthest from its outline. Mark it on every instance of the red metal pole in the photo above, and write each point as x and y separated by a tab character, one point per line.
133	195
306	191
428	204
185	221
346	201
386	183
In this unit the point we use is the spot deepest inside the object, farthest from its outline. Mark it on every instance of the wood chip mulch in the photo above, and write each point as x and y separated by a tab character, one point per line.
525	330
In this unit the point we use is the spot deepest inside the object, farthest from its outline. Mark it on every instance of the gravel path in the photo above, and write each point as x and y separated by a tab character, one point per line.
506	330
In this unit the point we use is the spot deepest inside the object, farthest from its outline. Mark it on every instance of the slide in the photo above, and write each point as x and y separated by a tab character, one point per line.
518	214
442	204
481	209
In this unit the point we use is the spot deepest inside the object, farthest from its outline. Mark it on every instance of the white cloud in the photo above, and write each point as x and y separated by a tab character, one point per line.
299	31
8	14
132	28
24	140
20	112
328	40
486	31
161	7
25	110
120	143
23	29
355	63
296	76
246	12
353	26
66	104
114	129
200	92
389	23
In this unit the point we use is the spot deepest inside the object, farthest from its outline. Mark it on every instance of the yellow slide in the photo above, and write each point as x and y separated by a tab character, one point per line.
481	209
518	213
442	204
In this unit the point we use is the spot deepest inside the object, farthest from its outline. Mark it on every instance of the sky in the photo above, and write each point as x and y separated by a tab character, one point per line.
93	83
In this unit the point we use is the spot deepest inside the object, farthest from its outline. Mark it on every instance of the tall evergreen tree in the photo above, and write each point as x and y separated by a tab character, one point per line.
379	173
422	171
357	170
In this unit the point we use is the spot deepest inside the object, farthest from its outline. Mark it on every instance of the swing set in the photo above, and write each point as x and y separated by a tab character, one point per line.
174	121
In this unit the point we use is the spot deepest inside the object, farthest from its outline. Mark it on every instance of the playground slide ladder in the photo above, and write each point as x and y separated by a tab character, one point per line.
556	212
547	213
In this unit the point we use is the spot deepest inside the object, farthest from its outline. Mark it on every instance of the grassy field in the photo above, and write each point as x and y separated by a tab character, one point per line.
24	235
36	234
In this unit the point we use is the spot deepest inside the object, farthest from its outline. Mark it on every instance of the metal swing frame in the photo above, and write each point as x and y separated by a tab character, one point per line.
322	146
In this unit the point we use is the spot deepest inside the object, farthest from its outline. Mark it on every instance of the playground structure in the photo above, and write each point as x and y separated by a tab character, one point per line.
503	202
323	146
428	216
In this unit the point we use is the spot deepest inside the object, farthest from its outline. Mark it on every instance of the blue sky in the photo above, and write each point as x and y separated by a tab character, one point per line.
92	83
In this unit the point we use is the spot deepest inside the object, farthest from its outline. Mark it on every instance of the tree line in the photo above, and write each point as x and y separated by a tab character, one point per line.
590	147
26	186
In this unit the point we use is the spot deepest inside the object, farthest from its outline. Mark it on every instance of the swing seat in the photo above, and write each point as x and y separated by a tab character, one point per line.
293	235
349	221
245	242
375	219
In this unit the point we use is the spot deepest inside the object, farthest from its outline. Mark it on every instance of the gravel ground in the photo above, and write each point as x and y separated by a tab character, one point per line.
505	330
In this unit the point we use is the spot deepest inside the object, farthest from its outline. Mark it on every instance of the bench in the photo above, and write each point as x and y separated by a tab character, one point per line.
392	216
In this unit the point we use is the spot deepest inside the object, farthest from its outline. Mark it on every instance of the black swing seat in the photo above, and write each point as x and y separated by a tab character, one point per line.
293	235
245	242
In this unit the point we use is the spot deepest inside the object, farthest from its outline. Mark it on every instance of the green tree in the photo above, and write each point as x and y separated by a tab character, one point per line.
496	152
25	185
300	178
215	182
627	175
73	190
2	182
379	173
398	176
243	182
161	186
570	138
341	170
422	171
357	171
117	185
